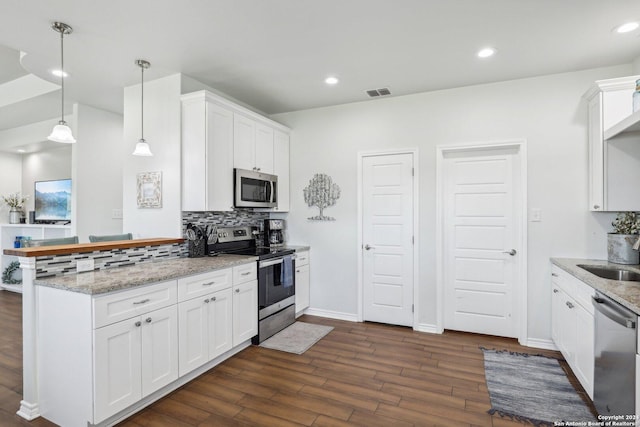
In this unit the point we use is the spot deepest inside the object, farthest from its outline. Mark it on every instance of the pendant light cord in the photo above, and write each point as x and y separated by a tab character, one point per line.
142	102
62	70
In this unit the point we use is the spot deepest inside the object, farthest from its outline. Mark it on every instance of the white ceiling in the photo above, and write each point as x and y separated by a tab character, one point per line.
275	54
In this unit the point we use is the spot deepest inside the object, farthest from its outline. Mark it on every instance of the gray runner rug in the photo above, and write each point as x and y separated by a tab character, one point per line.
532	388
297	338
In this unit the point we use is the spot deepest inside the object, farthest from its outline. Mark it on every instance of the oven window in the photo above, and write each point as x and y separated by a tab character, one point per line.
270	287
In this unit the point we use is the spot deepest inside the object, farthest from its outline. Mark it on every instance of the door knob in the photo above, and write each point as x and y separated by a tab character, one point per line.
512	252
367	247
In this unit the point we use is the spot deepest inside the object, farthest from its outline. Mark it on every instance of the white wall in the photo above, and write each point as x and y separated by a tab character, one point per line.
162	132
11	182
97	171
53	163
547	111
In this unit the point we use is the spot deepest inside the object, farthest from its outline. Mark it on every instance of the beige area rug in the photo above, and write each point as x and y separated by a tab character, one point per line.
297	338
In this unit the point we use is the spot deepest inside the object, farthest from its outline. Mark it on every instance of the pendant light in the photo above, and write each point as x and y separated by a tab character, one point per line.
61	132
142	147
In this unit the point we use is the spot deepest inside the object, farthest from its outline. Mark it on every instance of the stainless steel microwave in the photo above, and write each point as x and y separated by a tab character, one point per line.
255	189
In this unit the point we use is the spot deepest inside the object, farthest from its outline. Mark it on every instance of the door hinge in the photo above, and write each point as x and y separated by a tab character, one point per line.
413	171
412	307
413	240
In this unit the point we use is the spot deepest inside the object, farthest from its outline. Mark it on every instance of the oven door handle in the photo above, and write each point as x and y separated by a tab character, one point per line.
271	194
269	263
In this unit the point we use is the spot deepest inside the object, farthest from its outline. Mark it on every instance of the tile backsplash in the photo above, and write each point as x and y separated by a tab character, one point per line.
238	217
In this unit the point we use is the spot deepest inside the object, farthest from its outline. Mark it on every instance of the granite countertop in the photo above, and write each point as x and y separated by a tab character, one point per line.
625	293
115	279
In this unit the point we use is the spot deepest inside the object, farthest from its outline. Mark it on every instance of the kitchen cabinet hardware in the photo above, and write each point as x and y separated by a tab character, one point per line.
138	324
144	301
214	299
148	320
555	291
368	247
569	304
209	283
596	206
237	291
512	252
246	273
206	301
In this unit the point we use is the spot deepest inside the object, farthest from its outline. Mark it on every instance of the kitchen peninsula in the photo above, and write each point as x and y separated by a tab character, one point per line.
145	321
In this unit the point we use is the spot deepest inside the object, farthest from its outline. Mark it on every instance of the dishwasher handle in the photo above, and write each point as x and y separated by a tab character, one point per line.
605	307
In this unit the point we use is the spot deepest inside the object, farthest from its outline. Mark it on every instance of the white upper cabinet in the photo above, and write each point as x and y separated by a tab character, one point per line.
253	145
207	155
218	136
281	168
614	163
244	142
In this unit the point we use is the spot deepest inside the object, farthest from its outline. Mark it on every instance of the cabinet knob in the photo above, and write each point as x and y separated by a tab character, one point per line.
237	291
554	274
569	304
555	291
297	271
596	206
138	323
213	299
148	320
207	301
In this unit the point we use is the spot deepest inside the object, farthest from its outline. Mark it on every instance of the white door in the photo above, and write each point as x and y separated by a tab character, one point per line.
159	349
481	243
387	238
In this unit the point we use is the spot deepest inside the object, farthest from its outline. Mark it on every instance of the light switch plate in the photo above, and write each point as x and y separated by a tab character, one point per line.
85	265
116	213
536	215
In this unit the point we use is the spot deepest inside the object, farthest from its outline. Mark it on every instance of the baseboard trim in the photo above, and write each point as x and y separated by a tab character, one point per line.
28	411
331	314
539	343
426	327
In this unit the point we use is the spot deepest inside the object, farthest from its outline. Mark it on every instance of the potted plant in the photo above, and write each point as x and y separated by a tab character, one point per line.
15	202
626	228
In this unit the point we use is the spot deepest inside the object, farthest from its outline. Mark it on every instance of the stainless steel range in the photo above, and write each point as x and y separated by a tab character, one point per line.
276	277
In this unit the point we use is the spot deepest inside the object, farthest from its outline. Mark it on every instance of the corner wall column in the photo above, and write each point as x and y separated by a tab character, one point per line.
29	407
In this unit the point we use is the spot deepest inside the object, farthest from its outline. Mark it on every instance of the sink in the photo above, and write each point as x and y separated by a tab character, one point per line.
612	273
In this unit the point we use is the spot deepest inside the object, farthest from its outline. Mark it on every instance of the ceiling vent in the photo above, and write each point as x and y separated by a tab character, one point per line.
374	93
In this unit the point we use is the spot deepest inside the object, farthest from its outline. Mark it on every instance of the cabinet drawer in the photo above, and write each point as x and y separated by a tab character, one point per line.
563	279
302	258
202	284
119	306
583	295
245	273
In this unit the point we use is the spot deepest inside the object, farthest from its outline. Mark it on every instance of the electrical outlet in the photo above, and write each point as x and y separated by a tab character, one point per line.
84	265
116	213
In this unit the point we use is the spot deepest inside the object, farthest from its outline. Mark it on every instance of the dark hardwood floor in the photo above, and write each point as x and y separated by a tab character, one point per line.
361	374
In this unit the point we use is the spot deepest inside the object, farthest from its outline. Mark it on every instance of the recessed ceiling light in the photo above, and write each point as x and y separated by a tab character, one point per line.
331	80
627	27
486	52
20	150
59	73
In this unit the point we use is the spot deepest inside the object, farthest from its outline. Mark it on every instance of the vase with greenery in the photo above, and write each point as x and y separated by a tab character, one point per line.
15	202
626	231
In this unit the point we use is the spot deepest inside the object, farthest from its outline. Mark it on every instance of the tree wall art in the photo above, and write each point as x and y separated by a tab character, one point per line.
321	192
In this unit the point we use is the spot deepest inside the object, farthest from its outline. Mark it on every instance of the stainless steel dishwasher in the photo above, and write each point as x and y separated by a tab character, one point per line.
615	352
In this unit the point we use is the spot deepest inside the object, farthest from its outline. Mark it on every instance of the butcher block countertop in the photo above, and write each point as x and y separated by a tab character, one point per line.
625	293
89	247
115	279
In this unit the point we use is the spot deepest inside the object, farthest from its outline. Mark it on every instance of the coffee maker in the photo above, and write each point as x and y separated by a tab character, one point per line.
273	232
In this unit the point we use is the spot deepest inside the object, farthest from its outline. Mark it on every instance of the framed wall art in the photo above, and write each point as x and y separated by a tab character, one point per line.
150	190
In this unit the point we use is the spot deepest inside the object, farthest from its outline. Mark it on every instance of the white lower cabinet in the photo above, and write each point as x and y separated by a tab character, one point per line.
572	324
245	311
205	329
134	358
102	355
302	282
